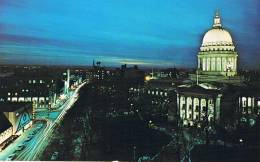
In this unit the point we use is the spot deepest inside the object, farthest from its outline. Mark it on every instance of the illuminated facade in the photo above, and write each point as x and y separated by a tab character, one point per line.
217	55
198	104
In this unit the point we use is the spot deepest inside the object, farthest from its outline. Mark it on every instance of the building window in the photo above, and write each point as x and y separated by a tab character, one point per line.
34	81
9	93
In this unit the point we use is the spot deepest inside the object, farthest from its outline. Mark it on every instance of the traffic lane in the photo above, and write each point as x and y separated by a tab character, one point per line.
17	142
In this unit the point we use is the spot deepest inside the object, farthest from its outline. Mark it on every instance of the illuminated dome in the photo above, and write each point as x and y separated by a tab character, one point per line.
217	55
217	36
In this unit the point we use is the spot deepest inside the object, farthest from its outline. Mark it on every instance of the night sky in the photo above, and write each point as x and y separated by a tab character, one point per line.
144	32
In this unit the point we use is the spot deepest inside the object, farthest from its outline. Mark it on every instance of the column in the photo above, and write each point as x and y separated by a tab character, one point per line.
208	64
235	64
239	104
214	104
192	110
186	99
221	59
178	105
199	108
207	109
246	105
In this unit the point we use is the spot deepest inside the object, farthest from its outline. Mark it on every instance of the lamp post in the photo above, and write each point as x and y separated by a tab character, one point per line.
134	151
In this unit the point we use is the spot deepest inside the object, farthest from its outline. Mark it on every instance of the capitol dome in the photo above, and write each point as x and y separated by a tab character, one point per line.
217	55
217	36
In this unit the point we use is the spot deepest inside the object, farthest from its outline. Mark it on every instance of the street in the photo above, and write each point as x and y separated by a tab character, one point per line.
35	139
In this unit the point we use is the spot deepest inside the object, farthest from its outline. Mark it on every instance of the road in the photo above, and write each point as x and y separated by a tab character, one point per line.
48	121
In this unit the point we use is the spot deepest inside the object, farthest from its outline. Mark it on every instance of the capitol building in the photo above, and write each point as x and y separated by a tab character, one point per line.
216	89
217	57
217	54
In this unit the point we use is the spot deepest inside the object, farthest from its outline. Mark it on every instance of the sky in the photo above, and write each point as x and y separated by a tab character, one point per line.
150	33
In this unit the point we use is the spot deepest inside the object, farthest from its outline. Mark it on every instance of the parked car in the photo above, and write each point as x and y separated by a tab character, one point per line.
28	138
11	157
20	148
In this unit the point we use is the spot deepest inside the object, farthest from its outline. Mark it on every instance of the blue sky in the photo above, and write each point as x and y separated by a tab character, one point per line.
144	32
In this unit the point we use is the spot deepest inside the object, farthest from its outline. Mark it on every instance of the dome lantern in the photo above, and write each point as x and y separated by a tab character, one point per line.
217	20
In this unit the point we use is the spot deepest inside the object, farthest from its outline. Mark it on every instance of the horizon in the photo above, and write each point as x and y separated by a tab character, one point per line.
75	33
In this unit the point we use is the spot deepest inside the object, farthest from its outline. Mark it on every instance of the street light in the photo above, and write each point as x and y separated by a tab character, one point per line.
134	152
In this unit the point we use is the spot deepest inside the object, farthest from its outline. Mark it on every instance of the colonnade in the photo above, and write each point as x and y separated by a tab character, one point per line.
195	109
217	63
249	104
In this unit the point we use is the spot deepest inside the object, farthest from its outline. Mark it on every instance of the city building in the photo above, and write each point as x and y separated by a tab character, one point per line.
6	130
14	118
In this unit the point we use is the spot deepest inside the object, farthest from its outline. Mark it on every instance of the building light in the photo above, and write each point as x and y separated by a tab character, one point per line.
9	93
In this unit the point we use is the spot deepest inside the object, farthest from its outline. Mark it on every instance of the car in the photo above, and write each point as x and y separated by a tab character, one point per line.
20	148
28	138
33	132
11	157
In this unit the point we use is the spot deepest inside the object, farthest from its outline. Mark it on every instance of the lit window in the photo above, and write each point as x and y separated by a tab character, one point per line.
30	81
41	81
15	94
258	103
34	81
9	93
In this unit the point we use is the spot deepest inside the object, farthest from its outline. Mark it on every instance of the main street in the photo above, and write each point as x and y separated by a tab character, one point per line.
35	139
